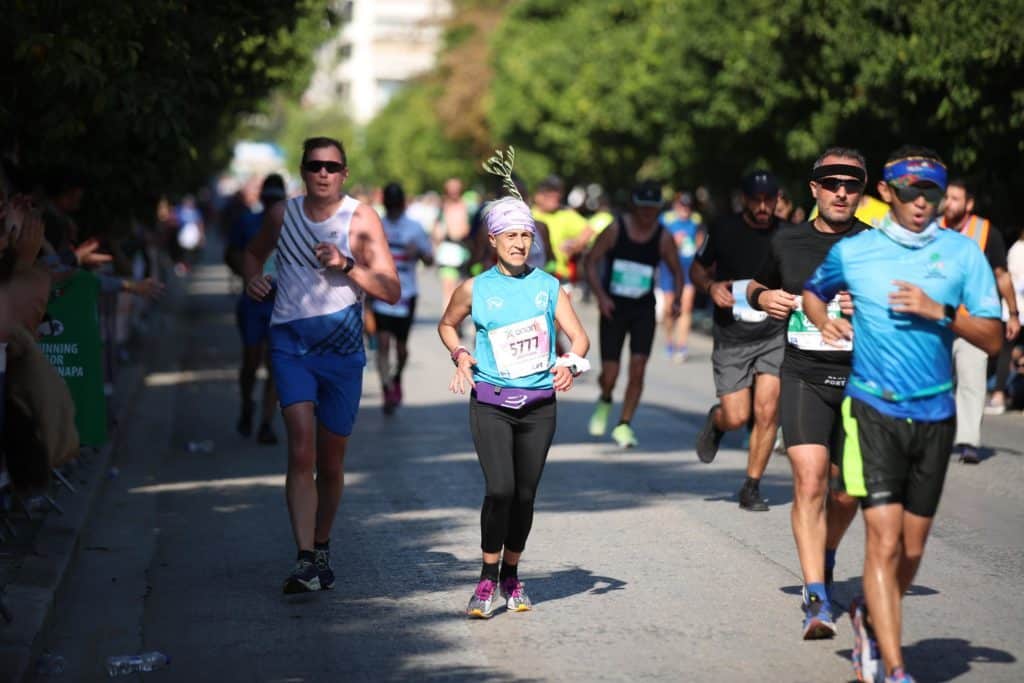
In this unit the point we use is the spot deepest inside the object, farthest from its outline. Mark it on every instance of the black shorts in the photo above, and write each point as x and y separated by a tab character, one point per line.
895	460
638	322
397	325
811	413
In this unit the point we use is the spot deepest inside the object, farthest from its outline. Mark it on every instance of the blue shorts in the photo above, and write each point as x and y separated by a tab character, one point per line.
665	281
333	383
253	320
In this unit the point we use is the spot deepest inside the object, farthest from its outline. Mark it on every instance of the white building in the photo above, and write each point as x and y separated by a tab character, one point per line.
383	44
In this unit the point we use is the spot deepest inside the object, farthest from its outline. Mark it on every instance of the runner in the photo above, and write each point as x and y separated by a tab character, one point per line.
512	377
330	250
907	279
630	249
568	231
253	317
409	244
688	235
453	239
813	377
748	345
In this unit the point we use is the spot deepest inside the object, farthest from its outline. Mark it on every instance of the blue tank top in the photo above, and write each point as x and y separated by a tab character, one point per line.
515	328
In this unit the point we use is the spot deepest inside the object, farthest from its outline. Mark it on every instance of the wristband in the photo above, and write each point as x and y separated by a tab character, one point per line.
459	350
577	364
755	296
350	263
949	312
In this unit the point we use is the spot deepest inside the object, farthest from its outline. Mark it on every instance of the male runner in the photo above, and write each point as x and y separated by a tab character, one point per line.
907	280
330	251
688	234
813	377
748	345
632	247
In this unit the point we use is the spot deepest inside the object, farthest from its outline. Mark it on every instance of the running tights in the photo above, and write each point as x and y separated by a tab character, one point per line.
512	446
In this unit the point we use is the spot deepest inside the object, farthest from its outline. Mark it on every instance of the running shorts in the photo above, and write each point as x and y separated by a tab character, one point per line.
895	460
636	321
397	325
811	413
736	365
332	382
666	282
253	320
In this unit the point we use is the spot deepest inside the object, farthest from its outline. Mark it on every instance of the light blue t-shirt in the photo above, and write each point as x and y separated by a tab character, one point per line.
515	328
902	364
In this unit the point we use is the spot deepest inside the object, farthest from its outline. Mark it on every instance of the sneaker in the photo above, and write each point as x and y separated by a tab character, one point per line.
623	435
389	404
681	355
483	604
995	407
303	579
599	420
709	438
969	455
898	675
867	662
751	500
670	351
266	435
244	424
323	567
818	620
398	393
516	599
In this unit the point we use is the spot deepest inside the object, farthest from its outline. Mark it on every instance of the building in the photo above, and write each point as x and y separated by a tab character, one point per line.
381	46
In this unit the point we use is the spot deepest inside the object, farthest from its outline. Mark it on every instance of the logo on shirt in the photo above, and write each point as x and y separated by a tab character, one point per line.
541	300
495	302
333	234
935	269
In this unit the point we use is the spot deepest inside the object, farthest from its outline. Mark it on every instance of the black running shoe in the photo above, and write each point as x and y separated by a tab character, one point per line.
751	500
323	566
969	455
304	578
709	438
266	435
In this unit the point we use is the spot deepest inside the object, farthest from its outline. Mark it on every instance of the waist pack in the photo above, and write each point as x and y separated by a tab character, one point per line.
510	397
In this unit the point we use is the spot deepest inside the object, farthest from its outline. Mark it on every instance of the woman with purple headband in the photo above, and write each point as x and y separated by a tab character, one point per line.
512	376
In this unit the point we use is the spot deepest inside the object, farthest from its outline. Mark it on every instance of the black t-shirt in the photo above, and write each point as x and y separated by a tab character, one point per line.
737	250
794	253
995	248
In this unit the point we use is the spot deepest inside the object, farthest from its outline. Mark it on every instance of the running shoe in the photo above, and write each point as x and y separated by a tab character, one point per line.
599	420
390	403
709	438
623	435
266	435
995	407
818	620
751	500
969	455
398	393
244	424
516	599
303	579
899	676
323	568
670	351
681	355
483	603
867	662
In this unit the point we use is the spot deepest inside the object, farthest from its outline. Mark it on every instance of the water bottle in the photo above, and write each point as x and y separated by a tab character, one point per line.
199	446
128	664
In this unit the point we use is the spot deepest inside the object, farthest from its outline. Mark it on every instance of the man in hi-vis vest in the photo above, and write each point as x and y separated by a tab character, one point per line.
971	362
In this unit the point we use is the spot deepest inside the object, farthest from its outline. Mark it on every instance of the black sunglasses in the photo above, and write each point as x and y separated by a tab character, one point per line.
909	193
851	185
317	166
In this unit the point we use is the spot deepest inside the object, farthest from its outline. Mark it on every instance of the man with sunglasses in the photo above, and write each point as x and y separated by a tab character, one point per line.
331	252
908	279
813	376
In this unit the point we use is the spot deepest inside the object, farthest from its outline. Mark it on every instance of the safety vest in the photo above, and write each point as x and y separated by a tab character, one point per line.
977	229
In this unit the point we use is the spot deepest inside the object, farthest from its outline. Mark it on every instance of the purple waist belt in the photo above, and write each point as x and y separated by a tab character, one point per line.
510	397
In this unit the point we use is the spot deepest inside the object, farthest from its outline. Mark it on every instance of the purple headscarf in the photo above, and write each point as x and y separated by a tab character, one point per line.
508	213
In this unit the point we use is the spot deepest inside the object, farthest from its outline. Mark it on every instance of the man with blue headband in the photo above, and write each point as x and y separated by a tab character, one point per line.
915	288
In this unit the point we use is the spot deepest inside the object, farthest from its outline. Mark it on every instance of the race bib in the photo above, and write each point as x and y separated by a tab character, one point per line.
451	254
804	335
741	310
687	247
522	348
631	280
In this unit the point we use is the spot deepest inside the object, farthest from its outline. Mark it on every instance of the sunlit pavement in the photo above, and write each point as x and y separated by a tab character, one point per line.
640	564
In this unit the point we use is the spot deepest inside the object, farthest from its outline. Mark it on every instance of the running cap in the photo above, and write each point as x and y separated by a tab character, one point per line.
760	181
510	212
647	193
393	196
551	184
827	170
913	170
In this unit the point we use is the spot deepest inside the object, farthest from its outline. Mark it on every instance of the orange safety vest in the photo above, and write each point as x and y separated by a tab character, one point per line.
977	229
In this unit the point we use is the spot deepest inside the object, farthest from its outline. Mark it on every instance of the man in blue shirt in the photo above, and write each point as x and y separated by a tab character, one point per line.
899	413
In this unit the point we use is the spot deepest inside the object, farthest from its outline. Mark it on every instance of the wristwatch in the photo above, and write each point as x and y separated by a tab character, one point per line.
949	311
349	264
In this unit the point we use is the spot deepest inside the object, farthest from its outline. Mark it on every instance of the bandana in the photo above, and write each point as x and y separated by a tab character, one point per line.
508	213
908	238
904	172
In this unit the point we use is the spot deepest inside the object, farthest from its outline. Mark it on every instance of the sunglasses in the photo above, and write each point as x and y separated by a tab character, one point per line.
909	193
851	185
317	166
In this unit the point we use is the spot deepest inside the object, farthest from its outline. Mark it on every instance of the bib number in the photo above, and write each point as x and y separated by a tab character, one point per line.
805	336
631	280
741	310
451	254
522	348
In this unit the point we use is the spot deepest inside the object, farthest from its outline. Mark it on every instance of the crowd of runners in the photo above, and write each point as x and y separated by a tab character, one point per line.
865	332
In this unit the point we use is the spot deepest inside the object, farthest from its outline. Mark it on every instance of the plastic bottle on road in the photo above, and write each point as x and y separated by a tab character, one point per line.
128	664
199	446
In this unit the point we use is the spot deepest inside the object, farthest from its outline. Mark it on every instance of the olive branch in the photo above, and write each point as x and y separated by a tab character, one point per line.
500	165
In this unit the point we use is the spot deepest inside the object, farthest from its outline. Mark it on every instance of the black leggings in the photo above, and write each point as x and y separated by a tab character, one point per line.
512	446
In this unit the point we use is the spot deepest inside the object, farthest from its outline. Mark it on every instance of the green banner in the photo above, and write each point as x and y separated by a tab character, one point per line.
71	340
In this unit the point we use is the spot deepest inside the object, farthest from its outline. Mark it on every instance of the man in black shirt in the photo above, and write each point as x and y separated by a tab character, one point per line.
814	376
748	344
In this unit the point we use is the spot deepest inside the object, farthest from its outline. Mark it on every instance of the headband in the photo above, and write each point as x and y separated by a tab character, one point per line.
507	213
904	172
839	169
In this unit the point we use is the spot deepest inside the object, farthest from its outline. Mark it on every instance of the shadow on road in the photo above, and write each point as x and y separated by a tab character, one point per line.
945	659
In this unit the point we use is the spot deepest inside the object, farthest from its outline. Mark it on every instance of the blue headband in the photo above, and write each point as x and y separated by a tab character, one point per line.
903	172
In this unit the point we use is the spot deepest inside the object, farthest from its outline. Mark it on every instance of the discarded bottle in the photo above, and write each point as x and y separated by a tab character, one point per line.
199	446
128	664
50	665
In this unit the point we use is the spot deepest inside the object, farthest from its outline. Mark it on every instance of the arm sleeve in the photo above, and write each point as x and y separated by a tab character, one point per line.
706	255
828	280
995	249
768	274
979	293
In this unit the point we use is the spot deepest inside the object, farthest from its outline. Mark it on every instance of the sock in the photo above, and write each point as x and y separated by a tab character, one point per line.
606	398
509	570
623	422
326	545
489	571
817	589
830	558
307	555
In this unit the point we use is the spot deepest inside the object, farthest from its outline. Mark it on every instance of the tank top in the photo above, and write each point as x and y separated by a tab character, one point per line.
630	268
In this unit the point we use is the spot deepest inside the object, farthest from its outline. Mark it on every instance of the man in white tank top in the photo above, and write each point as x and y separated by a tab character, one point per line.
331	251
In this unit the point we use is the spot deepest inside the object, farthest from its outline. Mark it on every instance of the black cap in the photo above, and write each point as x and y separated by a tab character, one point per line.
759	182
393	196
647	193
550	184
272	189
